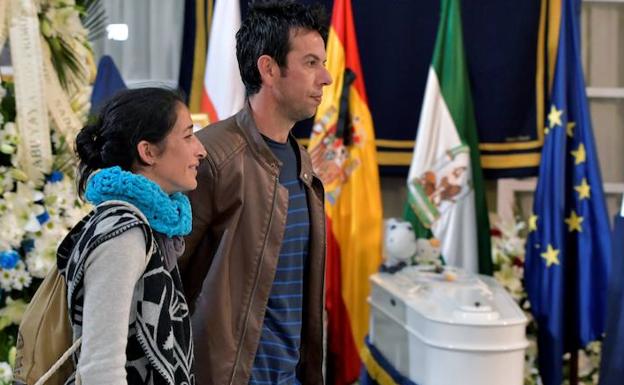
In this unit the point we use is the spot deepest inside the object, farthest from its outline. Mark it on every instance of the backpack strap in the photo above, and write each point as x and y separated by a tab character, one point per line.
59	363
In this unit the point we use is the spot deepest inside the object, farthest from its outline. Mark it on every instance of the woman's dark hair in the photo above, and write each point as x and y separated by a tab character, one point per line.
123	121
266	31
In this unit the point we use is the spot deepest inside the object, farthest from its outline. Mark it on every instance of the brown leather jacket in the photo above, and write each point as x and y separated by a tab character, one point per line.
239	215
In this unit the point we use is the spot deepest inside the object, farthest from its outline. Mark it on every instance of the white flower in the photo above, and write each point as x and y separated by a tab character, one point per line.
585	366
10	128
6	279
60	200
21	203
592	353
594	347
8	138
13	312
11	232
59	195
42	257
16	278
64	21
508	255
6	180
39	266
511	243
13	351
32	224
21	279
6	373
510	277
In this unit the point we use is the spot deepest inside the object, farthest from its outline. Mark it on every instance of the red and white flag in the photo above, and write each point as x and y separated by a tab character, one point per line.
223	92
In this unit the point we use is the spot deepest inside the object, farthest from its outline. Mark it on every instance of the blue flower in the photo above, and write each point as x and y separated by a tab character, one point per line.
28	245
9	259
55	176
43	218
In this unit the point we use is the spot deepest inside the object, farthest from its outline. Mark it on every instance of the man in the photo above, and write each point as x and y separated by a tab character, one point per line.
254	264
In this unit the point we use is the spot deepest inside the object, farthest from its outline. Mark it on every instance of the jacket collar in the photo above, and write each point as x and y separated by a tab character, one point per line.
246	122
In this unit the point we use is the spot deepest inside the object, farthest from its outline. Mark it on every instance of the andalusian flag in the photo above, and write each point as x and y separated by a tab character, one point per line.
445	182
224	93
342	147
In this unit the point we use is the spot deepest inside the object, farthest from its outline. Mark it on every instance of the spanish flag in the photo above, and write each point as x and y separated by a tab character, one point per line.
342	147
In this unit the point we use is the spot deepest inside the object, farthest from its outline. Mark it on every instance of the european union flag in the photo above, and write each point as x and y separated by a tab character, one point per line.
569	248
107	83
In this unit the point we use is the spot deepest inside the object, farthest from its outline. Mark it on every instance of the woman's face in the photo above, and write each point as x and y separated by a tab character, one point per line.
174	168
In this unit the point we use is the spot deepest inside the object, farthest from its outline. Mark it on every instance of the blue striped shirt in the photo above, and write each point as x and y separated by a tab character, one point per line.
278	351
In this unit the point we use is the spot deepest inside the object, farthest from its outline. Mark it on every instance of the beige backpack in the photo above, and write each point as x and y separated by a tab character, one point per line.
44	340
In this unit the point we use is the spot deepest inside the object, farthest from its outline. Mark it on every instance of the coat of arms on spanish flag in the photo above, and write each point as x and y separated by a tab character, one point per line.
343	152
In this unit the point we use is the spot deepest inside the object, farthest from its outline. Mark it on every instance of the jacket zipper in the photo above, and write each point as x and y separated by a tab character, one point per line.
323	235
257	278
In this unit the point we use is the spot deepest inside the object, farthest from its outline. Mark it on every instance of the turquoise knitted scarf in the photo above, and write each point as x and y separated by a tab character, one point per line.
167	214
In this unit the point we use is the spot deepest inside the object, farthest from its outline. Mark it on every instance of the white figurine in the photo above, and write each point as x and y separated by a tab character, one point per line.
399	244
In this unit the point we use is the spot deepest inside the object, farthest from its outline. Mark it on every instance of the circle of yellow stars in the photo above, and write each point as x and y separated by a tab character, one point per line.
574	220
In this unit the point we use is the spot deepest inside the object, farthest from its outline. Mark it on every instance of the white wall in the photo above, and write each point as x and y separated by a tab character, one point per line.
154	46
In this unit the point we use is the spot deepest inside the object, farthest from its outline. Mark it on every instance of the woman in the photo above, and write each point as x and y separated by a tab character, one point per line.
124	289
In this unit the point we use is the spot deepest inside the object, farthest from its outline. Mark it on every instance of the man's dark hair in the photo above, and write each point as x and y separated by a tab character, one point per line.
266	31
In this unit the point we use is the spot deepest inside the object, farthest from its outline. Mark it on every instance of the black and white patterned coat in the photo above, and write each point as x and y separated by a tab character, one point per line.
160	347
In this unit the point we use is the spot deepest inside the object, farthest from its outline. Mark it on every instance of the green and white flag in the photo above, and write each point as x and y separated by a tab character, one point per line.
446	197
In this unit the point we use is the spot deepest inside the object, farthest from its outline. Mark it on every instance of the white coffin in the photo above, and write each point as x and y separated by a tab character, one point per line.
437	331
